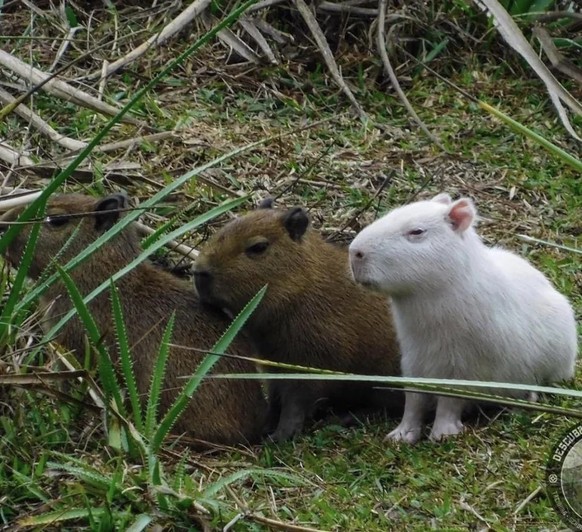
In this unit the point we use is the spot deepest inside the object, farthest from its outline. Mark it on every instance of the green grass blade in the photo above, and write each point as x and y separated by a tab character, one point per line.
141	522
126	358
205	366
83	472
317	374
158	378
106	370
53	518
15	294
215	487
532	135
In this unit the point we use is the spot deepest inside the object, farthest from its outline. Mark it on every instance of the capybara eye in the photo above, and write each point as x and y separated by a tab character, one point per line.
57	221
258	248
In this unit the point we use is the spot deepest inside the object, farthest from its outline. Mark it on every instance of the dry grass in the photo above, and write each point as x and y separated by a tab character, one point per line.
348	478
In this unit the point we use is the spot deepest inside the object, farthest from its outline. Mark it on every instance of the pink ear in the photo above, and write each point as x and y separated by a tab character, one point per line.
462	214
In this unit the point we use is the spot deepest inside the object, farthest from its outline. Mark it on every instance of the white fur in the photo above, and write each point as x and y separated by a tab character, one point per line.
462	310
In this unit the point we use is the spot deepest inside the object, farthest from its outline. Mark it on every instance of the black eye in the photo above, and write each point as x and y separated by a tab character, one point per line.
257	249
416	232
57	221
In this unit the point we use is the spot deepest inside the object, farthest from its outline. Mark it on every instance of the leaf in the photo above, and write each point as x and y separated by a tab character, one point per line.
141	522
106	370
7	317
205	366
329	375
61	515
126	358
83	472
514	37
519	128
158	378
71	17
215	487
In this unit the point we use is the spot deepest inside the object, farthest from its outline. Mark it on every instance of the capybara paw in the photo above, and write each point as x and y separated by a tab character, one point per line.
405	434
444	429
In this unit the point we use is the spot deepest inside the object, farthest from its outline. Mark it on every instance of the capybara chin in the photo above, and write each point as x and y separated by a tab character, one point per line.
313	313
221	411
462	310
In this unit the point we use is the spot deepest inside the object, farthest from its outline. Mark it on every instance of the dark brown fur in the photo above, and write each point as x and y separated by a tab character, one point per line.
313	314
221	411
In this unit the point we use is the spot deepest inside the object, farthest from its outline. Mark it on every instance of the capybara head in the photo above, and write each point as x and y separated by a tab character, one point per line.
421	245
71	223
266	246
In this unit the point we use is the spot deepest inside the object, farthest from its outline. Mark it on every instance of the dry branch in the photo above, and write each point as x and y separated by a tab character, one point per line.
36	121
559	62
27	198
325	50
230	39
274	33
332	7
59	88
13	157
177	25
249	26
130	143
263	4
381	44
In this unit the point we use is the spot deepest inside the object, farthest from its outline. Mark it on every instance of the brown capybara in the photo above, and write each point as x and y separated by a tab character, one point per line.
221	411
313	314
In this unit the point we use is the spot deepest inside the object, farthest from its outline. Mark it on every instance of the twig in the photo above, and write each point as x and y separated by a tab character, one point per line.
387	180
21	199
232	40
381	43
63	47
175	26
263	4
278	36
559	62
332	7
182	249
325	50
144	230
250	27
282	525
12	157
59	88
71	144
527	500
550	16
129	143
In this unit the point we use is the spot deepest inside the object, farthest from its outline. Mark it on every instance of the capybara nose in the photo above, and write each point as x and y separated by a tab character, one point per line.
202	281
357	254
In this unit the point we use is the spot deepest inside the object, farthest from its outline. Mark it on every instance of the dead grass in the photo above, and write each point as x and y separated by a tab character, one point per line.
348	479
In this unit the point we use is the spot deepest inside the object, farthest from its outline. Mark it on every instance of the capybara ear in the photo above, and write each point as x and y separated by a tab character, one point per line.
461	214
443	198
266	203
107	210
296	222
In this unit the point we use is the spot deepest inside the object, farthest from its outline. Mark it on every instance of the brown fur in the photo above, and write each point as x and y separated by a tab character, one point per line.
313	314
220	411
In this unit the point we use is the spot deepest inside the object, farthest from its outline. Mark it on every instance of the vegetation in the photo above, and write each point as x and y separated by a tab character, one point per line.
63	465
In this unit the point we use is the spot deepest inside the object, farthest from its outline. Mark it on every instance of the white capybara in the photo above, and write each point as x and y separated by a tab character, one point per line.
462	310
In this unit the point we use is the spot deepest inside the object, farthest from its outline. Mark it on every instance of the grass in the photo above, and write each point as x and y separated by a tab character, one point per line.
54	457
